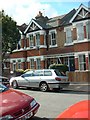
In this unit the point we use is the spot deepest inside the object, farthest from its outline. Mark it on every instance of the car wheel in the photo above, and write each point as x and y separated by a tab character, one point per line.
43	87
14	84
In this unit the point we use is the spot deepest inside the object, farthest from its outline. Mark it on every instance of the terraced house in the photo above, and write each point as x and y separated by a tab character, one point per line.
61	39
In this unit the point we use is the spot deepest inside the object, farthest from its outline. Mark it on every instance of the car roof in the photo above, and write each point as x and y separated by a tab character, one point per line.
40	70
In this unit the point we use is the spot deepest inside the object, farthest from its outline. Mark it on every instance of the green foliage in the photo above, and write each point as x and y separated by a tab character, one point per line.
19	72
10	33
60	67
26	70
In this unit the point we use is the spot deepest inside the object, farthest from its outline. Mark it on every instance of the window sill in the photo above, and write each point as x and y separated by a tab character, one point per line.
52	46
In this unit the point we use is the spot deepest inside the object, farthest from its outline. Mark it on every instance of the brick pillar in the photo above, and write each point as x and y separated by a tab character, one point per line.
42	64
27	42
22	43
41	39
74	34
85	34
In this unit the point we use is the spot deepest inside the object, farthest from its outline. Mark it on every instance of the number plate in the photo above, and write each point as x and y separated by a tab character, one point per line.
26	116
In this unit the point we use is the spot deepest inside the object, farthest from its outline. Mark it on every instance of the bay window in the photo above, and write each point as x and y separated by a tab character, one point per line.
31	63
37	39
31	38
80	31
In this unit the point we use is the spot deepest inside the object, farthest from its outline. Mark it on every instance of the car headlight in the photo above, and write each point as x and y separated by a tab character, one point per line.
33	103
7	117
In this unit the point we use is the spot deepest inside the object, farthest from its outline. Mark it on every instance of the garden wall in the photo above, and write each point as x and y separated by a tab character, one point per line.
79	76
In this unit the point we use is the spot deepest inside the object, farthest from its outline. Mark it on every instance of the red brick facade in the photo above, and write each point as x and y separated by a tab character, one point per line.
66	48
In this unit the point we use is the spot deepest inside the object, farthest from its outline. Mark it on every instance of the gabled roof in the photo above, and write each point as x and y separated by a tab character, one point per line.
22	27
43	22
78	10
33	21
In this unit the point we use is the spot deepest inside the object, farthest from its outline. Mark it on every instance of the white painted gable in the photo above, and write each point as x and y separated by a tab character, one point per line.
82	12
33	25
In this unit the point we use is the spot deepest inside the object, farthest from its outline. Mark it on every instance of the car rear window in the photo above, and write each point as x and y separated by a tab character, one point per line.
58	73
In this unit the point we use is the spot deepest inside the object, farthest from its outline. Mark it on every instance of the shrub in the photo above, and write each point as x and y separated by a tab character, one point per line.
60	67
19	72
26	70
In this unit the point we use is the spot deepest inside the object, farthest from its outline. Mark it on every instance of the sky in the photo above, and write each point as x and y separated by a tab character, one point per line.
22	11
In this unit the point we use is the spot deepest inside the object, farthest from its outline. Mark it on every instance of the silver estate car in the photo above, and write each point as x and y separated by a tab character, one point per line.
45	79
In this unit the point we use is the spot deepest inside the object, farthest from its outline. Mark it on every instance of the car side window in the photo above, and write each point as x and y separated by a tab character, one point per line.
47	73
38	73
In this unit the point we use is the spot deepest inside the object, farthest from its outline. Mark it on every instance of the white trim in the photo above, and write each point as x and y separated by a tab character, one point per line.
81	6
41	32
16	60
81	41
35	58
53	30
68	27
32	21
53	46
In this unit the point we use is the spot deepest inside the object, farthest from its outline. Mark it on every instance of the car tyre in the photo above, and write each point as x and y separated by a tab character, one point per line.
14	84
43	87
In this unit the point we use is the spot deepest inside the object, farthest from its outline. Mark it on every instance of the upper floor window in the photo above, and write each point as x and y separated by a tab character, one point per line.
82	62
68	36
31	38
80	32
37	39
88	29
53	39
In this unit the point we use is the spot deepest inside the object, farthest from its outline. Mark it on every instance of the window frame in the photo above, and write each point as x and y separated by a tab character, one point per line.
32	66
80	32
68	36
37	39
31	40
82	62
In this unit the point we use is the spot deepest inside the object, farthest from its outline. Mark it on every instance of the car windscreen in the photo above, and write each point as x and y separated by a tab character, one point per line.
3	88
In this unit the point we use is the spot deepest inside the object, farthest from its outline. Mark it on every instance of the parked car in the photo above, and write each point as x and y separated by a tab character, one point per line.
4	81
15	105
45	80
79	110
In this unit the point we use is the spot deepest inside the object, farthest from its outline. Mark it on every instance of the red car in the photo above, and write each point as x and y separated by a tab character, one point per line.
78	110
15	105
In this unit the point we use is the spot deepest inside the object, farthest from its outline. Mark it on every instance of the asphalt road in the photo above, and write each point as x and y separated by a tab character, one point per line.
52	103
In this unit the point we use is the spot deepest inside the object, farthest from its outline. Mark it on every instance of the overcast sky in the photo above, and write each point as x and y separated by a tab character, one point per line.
22	11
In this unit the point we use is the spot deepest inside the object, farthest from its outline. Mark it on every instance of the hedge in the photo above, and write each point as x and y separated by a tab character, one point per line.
60	67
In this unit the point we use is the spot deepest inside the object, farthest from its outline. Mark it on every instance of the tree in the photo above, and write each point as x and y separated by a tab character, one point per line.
10	34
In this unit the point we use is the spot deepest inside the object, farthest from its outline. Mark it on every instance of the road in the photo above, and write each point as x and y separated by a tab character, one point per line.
52	103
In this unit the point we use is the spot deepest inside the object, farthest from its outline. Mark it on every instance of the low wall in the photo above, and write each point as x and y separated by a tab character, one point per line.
79	76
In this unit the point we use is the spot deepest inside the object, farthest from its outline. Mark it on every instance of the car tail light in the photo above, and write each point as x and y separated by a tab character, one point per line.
57	78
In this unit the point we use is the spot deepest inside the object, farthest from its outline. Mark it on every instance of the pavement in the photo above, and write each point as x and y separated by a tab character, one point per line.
79	86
